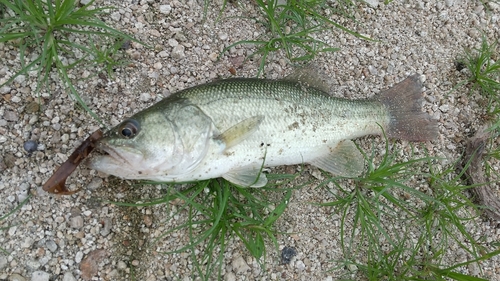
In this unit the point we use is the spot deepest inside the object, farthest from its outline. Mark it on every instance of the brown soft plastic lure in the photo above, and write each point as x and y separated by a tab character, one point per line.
57	182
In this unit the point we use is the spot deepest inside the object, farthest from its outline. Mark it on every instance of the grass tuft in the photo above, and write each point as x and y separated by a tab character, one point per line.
216	211
483	65
391	231
43	31
293	26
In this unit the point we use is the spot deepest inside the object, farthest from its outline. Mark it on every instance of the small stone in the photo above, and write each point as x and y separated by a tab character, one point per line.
12	115
121	265
222	36
372	3
76	222
90	265
16	99
148	221
30	146
65	138
172	42
3	262
20	79
177	53
163	54
22	192
240	265
16	277
444	108
108	223
95	183
78	256
213	56
287	254
373	70
51	245
352	267
158	65
5	89
85	2
68	276
115	16
135	263
230	276
300	265
165	9
40	276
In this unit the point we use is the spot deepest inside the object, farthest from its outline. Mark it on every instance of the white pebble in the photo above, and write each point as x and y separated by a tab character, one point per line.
68	276
178	52
165	9
40	276
16	99
172	42
78	256
240	265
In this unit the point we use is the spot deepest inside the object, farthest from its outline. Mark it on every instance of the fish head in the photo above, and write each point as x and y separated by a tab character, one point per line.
141	146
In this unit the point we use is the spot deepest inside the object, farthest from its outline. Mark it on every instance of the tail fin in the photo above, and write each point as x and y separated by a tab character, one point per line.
408	122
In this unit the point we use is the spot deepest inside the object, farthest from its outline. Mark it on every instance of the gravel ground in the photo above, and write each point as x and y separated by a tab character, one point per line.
80	237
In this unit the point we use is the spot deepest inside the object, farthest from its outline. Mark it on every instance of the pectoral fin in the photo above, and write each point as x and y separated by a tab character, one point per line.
240	131
246	177
344	160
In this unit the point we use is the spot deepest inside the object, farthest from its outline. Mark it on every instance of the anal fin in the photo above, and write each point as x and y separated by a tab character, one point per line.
246	177
343	160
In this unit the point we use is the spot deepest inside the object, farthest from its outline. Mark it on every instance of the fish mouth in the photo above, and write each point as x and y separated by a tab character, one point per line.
107	151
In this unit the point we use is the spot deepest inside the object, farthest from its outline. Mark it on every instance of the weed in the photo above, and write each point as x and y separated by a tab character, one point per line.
44	32
292	28
484	69
390	231
215	211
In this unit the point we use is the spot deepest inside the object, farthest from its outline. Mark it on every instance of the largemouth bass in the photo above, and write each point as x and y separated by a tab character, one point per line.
233	128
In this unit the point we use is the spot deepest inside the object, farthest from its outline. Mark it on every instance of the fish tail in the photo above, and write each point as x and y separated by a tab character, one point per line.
407	120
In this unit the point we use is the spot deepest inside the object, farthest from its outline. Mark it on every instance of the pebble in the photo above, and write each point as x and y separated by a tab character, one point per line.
16	99
95	183
300	265
115	16
163	54
78	256
68	276
230	276
240	265
172	42
3	262
352	267
11	116
16	277
23	192
76	222
177	53
30	146
51	245
165	9
5	89
287	253
40	276
372	3
108	223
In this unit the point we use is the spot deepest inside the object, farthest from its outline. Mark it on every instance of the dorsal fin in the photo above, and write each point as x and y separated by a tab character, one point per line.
309	76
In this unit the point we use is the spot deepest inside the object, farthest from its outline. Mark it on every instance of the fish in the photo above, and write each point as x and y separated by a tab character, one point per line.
234	128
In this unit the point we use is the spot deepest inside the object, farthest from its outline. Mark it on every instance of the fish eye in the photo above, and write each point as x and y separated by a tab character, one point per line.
129	129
